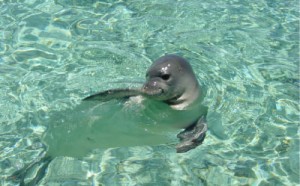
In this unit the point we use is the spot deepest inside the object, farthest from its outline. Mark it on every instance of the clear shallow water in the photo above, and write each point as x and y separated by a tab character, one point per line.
246	54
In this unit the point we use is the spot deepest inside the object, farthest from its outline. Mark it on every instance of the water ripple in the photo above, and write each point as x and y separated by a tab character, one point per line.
245	55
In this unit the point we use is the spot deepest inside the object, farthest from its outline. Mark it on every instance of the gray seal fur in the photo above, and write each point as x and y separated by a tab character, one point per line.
171	79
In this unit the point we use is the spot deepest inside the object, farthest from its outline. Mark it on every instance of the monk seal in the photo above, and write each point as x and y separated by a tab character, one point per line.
169	80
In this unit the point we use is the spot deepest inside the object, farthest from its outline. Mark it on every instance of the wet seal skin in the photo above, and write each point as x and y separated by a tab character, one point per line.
170	80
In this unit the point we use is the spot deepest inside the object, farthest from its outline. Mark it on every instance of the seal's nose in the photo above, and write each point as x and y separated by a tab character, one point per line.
151	84
153	87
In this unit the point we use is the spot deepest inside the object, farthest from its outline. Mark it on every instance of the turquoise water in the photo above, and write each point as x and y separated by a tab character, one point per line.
245	53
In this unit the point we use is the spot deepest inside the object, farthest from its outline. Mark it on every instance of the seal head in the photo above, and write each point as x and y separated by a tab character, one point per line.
172	80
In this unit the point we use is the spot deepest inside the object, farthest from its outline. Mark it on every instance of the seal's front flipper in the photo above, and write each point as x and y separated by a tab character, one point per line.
113	94
192	136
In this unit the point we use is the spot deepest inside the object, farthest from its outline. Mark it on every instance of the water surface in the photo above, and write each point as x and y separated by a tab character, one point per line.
245	53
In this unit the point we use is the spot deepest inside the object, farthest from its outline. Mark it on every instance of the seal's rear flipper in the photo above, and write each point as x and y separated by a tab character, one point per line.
20	175
114	94
192	137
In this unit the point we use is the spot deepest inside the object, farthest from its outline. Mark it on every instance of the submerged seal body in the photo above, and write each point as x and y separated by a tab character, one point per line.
171	81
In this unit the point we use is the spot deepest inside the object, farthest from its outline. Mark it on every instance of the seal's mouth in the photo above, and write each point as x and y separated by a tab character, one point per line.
160	94
173	100
153	92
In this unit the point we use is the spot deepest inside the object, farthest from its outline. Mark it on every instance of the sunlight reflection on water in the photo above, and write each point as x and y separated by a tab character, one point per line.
246	54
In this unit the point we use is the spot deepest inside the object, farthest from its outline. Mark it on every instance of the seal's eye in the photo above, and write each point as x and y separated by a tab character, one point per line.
165	76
